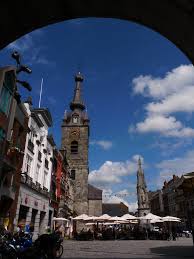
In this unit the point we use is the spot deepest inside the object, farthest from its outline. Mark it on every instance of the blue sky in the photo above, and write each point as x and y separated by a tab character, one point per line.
137	88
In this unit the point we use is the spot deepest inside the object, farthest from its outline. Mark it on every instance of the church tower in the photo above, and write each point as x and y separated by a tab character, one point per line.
142	194
75	141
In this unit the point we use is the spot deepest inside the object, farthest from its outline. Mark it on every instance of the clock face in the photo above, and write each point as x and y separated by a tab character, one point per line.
75	133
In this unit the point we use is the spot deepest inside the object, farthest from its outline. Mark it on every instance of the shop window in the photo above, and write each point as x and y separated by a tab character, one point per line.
22	215
74	147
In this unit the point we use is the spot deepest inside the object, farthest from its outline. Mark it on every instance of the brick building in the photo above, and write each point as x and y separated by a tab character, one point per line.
156	202
13	130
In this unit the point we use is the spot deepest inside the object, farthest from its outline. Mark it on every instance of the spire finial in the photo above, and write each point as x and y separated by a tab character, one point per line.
139	161
77	101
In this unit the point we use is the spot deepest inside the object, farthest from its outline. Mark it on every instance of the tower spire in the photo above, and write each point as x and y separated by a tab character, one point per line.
142	194
77	100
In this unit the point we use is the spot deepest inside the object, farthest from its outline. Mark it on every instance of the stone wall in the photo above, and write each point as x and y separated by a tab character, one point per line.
95	207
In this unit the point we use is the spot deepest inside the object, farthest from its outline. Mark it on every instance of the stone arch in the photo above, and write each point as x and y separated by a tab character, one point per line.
172	19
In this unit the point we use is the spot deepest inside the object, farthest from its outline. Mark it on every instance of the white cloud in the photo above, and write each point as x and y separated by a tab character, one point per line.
167	126
173	81
104	144
112	172
27	45
132	206
181	101
158	123
177	166
173	93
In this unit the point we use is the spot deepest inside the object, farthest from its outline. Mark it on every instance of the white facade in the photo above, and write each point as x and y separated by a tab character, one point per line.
36	168
33	201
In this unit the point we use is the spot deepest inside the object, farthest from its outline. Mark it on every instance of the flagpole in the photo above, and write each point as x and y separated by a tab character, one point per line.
40	93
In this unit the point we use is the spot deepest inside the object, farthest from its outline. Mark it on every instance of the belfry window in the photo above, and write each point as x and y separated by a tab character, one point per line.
74	147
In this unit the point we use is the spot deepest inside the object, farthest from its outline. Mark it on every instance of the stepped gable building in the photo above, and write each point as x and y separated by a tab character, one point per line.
75	143
142	193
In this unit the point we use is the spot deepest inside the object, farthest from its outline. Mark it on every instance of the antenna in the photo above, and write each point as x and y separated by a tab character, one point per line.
40	93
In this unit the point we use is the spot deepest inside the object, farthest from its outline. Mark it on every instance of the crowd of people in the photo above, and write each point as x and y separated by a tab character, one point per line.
127	232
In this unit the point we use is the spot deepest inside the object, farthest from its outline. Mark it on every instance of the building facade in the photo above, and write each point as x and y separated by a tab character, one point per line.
142	193
13	130
94	201
33	206
156	202
115	209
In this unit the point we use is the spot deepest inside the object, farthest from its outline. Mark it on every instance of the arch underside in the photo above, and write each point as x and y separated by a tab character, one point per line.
172	19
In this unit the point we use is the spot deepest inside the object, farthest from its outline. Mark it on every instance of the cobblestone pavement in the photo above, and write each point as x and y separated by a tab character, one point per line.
137	249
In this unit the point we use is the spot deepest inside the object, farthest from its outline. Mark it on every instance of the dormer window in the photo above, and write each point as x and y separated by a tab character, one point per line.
75	119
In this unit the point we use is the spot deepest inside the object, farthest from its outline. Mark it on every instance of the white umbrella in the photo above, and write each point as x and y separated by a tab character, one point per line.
91	218
110	223
128	217
62	219
103	217
115	218
152	221
81	217
122	222
150	216
171	219
90	223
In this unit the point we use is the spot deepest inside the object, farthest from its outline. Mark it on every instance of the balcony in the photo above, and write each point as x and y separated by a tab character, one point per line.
45	189
31	146
28	180
38	185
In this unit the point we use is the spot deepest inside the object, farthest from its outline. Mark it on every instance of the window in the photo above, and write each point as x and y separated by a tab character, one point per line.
2	134
37	173
28	164
72	174
46	163
6	92
74	147
5	100
31	137
39	156
45	178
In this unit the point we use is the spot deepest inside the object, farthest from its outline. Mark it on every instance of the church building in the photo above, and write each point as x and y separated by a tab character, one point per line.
75	143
